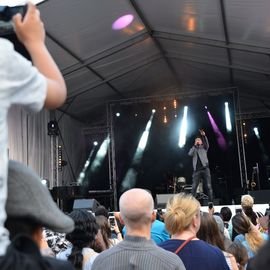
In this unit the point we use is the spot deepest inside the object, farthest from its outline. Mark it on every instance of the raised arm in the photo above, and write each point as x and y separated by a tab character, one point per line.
30	31
205	143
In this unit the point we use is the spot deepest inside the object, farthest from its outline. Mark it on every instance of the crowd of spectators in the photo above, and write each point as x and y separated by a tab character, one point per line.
43	237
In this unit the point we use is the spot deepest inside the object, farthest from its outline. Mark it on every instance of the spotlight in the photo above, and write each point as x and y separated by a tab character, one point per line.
174	104
131	175
100	156
220	138
256	131
205	107
227	117
183	129
135	114
117	114
45	182
95	143
53	129
154	110
165	119
123	22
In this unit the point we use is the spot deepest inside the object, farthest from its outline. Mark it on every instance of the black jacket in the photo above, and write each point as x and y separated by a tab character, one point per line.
24	254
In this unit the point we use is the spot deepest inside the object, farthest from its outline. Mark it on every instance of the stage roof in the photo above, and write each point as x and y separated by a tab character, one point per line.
171	46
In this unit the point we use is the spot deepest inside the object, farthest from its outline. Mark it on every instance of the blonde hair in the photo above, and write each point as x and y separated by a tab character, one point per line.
242	225
180	211
247	201
254	238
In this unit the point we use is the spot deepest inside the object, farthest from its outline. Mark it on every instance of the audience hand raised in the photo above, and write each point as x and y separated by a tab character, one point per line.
30	29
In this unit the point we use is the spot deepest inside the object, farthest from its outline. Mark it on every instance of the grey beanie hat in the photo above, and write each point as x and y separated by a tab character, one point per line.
28	198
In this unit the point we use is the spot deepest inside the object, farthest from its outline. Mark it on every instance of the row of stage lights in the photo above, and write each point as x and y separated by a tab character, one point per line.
184	123
175	115
165	112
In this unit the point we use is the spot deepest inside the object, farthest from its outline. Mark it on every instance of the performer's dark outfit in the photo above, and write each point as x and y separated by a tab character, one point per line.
201	168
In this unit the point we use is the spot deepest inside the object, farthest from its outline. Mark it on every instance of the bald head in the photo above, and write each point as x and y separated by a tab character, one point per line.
136	207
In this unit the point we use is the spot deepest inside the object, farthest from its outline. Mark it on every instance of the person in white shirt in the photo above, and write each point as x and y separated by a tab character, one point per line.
33	86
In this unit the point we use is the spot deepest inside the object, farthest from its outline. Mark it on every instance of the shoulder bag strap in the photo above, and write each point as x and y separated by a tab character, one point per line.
184	244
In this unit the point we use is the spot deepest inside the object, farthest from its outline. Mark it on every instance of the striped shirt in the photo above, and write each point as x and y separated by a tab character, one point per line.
137	253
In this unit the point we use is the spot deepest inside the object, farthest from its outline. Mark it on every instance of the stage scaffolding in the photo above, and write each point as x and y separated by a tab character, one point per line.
182	95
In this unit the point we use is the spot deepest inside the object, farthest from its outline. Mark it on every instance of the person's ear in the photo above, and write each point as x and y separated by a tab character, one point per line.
37	237
153	216
121	219
196	221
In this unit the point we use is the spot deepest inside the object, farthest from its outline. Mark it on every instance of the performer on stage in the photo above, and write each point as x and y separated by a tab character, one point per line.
198	152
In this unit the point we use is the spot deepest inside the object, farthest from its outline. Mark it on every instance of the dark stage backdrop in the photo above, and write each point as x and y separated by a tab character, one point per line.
163	159
257	151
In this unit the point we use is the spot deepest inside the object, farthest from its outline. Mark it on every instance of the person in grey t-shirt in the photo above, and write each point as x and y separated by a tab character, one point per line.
137	251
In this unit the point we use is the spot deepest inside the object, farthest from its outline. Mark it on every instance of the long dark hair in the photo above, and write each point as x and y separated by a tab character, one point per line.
83	235
209	231
250	214
105	230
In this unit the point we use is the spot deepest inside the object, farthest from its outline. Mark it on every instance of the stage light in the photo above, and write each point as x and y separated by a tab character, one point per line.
53	129
256	131
135	114
245	135
117	114
244	123
95	143
154	110
220	138
123	22
164	108
45	183
205	107
131	175
144	138
165	119
264	152
100	156
174	104
183	129
227	117
81	176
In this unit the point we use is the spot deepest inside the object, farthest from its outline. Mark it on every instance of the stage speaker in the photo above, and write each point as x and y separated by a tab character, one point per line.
162	199
260	196
88	204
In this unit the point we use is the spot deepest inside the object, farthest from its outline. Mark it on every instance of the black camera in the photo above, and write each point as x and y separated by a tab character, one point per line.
6	14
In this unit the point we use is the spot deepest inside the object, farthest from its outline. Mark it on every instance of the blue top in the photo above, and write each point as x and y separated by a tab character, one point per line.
198	255
159	233
241	239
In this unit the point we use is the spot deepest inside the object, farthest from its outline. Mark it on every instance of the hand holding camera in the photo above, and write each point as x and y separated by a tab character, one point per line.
30	29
